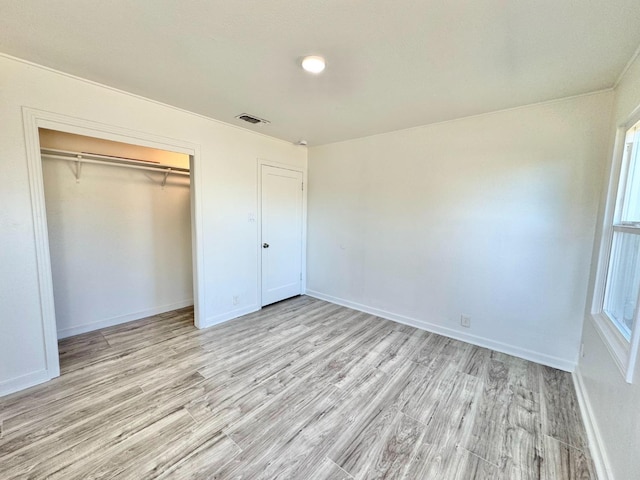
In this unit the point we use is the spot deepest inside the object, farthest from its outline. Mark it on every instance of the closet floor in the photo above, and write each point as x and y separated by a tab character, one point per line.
302	389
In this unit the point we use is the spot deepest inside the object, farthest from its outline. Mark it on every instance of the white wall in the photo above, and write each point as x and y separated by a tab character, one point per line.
229	177
120	243
612	406
491	216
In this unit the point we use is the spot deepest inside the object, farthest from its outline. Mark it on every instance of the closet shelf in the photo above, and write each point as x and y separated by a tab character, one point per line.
79	158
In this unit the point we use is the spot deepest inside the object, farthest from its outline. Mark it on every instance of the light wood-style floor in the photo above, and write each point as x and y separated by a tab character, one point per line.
303	389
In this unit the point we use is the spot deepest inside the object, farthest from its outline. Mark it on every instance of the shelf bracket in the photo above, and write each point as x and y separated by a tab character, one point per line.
166	174
78	168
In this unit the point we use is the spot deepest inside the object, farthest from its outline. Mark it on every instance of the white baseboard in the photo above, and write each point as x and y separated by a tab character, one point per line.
542	358
25	381
230	315
110	322
596	445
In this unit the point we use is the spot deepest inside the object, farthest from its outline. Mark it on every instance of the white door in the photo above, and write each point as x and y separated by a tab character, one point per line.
281	238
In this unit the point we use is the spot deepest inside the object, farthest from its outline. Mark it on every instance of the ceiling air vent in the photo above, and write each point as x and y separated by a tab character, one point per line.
252	119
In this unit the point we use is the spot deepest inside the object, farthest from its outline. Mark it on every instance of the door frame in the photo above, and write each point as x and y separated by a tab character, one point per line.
303	260
34	119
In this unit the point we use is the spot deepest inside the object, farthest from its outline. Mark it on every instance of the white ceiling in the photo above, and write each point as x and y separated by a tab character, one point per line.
390	64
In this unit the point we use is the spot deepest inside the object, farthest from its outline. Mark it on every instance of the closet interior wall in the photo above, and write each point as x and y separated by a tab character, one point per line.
120	241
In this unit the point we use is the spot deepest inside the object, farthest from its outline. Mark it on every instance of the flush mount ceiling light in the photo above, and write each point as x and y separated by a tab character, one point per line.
313	64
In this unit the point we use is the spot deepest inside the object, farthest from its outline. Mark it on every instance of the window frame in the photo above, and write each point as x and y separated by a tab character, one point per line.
623	351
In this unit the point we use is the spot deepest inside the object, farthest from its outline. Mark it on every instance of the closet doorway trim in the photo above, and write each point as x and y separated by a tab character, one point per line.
34	119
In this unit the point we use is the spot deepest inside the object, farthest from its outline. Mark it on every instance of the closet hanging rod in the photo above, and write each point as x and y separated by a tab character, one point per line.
112	161
117	164
108	158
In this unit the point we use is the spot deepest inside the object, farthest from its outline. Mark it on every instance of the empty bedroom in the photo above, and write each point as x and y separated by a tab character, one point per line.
320	240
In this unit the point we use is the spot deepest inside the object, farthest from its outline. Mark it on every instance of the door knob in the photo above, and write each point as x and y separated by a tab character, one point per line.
265	245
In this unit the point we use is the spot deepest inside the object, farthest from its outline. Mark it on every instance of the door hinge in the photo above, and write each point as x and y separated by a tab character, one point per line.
300	275
303	186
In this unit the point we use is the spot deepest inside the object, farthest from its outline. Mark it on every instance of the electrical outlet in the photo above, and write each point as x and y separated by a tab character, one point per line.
465	320
236	299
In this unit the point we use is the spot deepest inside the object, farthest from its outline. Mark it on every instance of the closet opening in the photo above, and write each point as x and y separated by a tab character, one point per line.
120	243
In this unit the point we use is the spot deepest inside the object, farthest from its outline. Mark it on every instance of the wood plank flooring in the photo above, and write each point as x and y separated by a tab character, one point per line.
303	389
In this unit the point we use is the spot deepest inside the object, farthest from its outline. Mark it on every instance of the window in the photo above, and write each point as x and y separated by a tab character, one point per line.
622	283
616	310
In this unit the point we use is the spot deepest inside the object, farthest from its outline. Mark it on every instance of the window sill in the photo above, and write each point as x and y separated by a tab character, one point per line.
617	345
